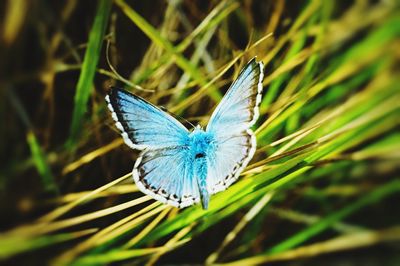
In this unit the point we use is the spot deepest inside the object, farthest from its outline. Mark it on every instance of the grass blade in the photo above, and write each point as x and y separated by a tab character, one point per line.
85	82
370	198
41	163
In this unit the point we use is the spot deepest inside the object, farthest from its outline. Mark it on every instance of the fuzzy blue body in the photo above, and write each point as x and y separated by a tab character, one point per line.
201	146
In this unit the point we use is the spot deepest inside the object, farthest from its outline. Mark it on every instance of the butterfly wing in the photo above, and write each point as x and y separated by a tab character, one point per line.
238	109
167	175
230	124
162	169
142	124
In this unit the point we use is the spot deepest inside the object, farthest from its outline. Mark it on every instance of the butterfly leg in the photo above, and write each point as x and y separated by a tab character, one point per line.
200	172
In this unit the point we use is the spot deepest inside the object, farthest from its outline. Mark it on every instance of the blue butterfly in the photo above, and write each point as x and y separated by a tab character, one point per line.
181	167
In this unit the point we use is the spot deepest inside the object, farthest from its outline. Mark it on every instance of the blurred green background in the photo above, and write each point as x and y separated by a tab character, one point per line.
322	189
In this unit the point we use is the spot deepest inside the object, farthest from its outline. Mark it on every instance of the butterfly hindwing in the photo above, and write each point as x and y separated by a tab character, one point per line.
228	161
167	175
142	124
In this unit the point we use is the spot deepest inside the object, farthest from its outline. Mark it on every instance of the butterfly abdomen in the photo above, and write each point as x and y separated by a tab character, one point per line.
201	145
200	173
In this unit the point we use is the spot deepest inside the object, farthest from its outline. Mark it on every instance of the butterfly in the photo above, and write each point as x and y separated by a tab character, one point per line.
181	167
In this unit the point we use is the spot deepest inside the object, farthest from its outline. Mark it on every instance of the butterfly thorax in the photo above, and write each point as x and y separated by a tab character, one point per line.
201	145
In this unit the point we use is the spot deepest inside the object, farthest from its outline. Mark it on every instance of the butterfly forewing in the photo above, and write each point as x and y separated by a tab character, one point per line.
142	124
238	110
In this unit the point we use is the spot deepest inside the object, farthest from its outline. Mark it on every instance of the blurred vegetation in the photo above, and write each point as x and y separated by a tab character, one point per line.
323	187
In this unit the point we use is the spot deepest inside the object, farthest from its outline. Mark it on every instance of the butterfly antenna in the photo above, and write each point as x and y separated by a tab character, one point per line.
118	76
187	121
177	117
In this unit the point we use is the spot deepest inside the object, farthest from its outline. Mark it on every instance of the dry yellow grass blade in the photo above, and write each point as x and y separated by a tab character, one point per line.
296	60
64	209
276	16
291	143
45	227
94	215
87	158
302	132
248	217
132	224
110	232
12	245
13	19
382	109
255	168
266	167
305	15
201	92
115	190
319	119
271	118
295	137
358	17
386	153
344	72
119	255
341	243
148	228
171	244
223	6
308	219
327	115
113	227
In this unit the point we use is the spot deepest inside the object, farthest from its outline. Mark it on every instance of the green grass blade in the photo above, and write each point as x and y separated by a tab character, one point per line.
156	37
121	255
41	164
372	197
10	246
85	82
214	18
